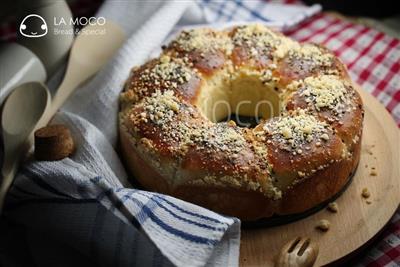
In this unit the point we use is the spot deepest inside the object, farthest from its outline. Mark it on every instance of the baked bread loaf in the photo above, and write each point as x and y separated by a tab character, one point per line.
175	140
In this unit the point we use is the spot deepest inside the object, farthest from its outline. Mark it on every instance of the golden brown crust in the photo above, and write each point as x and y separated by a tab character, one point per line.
347	121
145	80
172	147
147	176
242	203
294	66
254	46
207	56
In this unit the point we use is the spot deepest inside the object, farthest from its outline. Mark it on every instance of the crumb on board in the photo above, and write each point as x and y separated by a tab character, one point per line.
373	172
333	207
365	193
369	202
369	150
323	225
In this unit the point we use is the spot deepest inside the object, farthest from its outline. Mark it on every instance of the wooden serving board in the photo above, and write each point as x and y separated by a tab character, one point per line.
357	221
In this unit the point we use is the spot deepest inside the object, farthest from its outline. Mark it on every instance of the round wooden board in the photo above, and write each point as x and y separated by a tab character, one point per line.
356	222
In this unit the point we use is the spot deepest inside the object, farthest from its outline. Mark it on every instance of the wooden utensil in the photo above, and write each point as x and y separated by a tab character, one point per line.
26	110
90	52
298	252
22	110
53	142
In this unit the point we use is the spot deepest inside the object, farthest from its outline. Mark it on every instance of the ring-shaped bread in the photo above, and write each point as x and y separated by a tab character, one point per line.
301	153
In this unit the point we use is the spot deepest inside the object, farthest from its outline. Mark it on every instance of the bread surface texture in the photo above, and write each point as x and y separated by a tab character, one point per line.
302	152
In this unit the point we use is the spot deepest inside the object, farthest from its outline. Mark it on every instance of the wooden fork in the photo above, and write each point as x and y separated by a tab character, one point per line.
298	252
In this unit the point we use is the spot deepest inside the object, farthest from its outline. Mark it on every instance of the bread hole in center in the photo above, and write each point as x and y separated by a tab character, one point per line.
245	99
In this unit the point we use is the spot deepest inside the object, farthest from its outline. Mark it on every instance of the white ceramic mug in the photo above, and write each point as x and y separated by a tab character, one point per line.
18	65
38	31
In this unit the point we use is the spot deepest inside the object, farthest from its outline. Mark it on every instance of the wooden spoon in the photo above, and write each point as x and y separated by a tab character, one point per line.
22	110
94	46
298	252
25	109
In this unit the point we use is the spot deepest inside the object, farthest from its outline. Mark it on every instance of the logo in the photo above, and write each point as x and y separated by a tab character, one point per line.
33	26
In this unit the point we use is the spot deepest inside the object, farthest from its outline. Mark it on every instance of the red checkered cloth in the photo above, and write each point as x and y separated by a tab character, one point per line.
373	59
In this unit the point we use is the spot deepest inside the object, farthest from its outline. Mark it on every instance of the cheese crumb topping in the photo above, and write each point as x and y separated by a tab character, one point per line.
203	40
311	53
221	137
298	129
165	73
256	36
263	41
168	70
326	91
160	107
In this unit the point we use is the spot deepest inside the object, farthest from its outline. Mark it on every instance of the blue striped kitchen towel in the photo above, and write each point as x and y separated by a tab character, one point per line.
81	211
